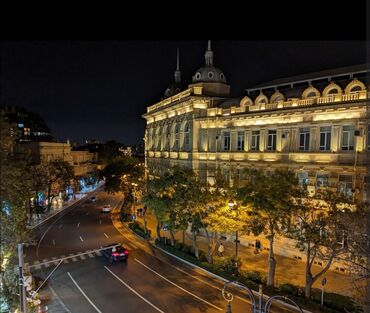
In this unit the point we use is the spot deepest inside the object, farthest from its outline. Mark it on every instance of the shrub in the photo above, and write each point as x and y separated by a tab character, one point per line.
186	249
255	276
202	256
290	289
178	245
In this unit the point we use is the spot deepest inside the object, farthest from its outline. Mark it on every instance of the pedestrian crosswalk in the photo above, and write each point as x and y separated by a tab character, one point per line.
72	257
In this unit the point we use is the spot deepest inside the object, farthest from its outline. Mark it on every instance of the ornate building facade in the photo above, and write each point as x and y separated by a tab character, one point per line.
316	124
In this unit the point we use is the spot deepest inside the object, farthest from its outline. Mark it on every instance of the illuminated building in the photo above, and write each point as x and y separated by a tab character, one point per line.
316	124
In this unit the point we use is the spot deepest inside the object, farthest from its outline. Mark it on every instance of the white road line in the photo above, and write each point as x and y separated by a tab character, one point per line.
106	235
98	253
190	293
99	221
81	239
74	259
78	224
134	291
53	242
91	255
84	294
82	257
60	226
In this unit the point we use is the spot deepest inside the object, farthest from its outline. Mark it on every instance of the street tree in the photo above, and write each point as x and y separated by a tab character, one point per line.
270	195
324	228
58	175
13	215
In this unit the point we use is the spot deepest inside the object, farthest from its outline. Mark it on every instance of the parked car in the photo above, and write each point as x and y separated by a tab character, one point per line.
106	208
115	252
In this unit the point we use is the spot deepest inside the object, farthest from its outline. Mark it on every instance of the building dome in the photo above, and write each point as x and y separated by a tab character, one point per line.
209	73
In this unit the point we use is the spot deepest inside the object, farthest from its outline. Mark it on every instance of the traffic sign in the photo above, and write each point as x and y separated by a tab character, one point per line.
133	216
323	282
165	227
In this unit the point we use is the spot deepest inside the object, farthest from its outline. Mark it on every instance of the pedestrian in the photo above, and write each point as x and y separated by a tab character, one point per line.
221	249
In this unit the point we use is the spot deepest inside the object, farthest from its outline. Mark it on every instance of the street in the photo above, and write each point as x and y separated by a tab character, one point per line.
86	282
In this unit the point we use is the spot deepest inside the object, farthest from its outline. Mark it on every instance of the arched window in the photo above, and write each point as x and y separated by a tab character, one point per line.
158	138
355	86
331	89
246	101
261	99
277	96
164	137
187	137
310	92
176	137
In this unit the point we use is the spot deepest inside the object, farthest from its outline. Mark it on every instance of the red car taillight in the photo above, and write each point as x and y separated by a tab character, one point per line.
126	252
115	254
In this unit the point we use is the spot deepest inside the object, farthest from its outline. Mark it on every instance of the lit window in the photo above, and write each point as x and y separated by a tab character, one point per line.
304	139
348	138
345	185
271	140
255	140
187	137
226	145
240	146
325	138
322	180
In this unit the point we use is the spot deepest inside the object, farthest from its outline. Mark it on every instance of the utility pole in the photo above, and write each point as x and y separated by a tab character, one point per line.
22	290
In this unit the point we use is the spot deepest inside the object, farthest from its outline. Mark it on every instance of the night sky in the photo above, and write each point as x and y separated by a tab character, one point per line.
100	89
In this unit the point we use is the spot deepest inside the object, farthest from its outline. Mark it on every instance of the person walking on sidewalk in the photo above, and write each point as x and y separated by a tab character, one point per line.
221	249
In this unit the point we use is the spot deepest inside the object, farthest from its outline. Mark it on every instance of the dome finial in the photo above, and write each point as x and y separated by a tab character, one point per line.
178	73
209	55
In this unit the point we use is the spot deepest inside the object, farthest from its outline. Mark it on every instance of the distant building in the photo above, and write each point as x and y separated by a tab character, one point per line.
26	126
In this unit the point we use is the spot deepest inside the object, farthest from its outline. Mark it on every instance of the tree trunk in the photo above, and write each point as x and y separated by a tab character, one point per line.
159	225
144	220
209	247
308	287
195	247
272	263
172	238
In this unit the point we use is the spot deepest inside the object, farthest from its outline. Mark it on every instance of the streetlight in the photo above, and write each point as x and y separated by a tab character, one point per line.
255	308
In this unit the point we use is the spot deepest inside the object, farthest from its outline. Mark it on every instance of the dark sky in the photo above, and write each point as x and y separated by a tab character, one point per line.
100	89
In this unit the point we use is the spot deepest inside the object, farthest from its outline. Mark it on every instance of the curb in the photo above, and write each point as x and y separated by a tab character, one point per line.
265	297
56	213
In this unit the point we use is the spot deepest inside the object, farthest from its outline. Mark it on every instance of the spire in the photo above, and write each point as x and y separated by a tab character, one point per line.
209	55
178	73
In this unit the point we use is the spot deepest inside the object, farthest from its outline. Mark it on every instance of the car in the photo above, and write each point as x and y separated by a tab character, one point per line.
115	252
93	199
106	208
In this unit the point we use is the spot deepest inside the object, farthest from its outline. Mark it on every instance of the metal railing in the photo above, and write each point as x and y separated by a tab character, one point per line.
255	307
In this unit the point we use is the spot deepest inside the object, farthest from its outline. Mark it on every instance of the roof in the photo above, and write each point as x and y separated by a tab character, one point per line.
230	102
309	77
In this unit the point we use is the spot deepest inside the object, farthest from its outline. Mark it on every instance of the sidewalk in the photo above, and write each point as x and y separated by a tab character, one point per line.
288	270
38	219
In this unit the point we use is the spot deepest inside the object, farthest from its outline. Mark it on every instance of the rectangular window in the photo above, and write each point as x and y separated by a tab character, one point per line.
368	137
348	138
255	140
240	146
226	146
271	140
325	138
345	185
322	180
303	178
304	139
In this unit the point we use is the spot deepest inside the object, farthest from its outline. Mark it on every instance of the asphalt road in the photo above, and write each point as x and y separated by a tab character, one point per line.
85	281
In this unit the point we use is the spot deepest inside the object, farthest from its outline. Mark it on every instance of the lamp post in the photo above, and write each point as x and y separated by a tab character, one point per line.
255	307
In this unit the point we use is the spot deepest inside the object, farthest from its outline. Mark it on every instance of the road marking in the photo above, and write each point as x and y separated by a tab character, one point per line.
81	239
53	242
98	253
78	224
106	235
90	255
99	221
190	293
60	226
74	259
134	291
87	213
82	257
84	294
